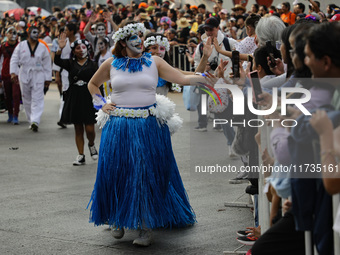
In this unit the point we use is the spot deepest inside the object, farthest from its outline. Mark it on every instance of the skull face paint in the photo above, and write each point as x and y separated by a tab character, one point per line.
14	35
134	43
34	34
80	51
100	31
161	51
83	50
101	45
11	34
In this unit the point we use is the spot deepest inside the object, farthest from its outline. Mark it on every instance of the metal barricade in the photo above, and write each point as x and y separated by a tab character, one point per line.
179	59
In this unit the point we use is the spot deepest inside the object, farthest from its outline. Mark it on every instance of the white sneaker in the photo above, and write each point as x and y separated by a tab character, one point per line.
231	152
93	152
117	233
80	160
145	238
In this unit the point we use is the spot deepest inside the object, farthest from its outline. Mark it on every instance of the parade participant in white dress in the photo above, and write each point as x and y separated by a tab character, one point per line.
31	61
138	185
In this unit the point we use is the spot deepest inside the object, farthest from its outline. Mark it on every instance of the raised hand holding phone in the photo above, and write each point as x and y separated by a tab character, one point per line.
235	58
256	85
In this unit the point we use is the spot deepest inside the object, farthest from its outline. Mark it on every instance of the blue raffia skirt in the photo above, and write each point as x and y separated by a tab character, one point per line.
138	183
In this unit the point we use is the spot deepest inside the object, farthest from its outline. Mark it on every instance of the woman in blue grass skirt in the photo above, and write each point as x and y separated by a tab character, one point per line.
138	185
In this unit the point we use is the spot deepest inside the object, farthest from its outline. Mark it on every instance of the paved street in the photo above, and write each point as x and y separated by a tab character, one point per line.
43	197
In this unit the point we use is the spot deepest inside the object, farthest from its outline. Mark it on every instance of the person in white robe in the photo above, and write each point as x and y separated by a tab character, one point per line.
31	64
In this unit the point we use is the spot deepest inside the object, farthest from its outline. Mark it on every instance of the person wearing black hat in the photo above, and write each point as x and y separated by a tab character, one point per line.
211	27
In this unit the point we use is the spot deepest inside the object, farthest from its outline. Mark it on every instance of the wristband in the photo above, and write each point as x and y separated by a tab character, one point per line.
98	101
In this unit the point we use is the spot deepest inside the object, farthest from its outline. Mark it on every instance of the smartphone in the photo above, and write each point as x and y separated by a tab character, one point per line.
256	85
250	59
270	53
235	59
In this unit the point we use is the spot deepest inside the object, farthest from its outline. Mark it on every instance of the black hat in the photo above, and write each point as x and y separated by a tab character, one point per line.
200	29
211	23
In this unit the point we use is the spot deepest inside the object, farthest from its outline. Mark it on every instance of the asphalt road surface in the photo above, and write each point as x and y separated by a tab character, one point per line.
43	197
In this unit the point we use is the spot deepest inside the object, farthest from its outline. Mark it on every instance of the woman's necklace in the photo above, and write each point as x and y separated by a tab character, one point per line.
132	64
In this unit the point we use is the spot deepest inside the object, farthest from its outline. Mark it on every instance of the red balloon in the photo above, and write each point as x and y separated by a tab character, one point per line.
242	2
267	3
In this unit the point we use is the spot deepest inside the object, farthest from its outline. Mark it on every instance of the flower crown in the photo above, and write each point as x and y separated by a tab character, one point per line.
79	41
157	40
130	29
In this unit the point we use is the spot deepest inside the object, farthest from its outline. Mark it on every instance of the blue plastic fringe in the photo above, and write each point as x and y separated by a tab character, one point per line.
138	183
161	82
133	64
98	101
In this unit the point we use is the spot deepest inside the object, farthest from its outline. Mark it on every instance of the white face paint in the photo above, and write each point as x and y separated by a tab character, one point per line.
14	35
101	45
134	43
34	34
161	51
100	31
83	50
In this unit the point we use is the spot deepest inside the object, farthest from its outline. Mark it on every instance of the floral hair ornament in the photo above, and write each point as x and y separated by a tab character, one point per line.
157	40
130	29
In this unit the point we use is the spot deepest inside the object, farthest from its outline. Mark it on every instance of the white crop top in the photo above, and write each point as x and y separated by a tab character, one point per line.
136	89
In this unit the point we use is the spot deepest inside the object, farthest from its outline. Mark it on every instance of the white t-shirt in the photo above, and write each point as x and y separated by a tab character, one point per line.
102	59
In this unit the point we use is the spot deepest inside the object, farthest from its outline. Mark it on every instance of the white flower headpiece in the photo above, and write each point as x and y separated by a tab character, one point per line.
157	40
79	41
130	29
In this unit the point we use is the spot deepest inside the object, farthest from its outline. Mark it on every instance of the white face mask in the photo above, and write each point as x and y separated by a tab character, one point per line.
134	43
100	31
34	34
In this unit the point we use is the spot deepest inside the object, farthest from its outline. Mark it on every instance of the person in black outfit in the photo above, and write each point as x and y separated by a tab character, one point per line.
78	108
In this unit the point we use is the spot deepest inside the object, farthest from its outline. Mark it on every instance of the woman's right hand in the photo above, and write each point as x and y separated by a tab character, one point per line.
108	107
62	40
279	67
286	206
